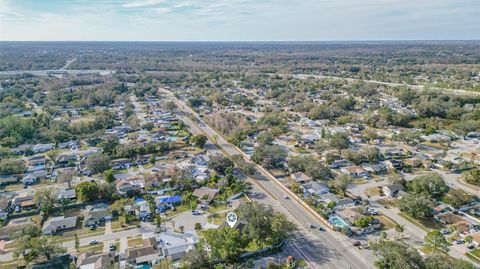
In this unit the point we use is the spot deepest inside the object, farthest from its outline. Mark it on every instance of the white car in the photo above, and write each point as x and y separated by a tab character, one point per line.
93	242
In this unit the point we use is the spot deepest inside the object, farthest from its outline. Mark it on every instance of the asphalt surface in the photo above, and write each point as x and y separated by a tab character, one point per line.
320	249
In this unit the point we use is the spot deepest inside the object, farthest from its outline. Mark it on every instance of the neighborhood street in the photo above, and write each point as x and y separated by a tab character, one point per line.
321	249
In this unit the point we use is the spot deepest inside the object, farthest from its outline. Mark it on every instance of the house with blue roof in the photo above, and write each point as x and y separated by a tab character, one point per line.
164	202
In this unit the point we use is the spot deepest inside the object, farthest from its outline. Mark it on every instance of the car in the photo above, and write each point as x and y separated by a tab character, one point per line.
286	197
93	242
196	212
357	244
444	231
312	226
92	227
321	229
471	246
459	241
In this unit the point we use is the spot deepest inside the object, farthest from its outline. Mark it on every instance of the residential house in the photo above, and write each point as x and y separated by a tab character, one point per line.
376	169
176	245
141	209
37	160
65	160
393	165
55	224
142	159
392	190
70	144
95	260
163	202
340	163
96	215
66	194
315	188
350	214
39	148
300	177
354	171
7	179
130	184
22	149
205	194
34	177
120	164
201	160
24	201
148	253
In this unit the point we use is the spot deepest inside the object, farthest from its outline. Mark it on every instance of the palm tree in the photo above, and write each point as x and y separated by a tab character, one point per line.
399	229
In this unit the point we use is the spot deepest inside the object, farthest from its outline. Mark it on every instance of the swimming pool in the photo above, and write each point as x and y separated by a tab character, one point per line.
336	221
143	266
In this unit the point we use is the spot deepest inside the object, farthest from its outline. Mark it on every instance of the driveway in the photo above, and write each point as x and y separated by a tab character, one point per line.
187	220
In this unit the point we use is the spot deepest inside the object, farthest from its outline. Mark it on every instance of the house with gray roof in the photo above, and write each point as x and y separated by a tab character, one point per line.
55	224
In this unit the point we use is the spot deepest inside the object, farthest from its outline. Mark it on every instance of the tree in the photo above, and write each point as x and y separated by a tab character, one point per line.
109	176
444	261
221	164
363	221
399	228
436	241
32	249
457	198
394	255
11	166
170	106
66	176
197	258
269	155
431	185
339	141
340	183
417	206
263	225
77	243
199	140
225	243
87	191
45	199
98	163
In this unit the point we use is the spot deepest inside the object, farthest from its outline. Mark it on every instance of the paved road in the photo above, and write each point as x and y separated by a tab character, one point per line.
319	249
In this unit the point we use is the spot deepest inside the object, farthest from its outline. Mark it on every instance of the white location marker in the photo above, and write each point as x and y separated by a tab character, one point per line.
231	219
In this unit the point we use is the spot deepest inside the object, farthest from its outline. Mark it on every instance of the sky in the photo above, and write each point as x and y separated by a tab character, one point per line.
239	20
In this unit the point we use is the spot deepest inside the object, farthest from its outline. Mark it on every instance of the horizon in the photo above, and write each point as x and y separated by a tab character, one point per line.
238	20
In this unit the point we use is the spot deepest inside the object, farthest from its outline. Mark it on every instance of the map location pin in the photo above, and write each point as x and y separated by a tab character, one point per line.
231	219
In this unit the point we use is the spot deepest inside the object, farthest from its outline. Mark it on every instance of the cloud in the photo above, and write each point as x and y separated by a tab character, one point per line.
143	3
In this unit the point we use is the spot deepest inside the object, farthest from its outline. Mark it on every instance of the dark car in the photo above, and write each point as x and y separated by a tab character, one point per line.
357	244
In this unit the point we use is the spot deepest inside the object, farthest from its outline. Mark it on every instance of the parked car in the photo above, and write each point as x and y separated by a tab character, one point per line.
357	244
196	212
459	241
286	197
444	231
471	246
312	226
321	229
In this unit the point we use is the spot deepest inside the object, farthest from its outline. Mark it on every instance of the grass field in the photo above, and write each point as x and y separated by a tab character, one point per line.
425	225
135	241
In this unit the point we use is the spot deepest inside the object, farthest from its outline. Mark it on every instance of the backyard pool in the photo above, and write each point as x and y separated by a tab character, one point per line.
336	221
143	266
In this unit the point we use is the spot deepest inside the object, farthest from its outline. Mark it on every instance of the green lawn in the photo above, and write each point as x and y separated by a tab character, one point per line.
426	225
474	255
217	208
97	247
217	218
